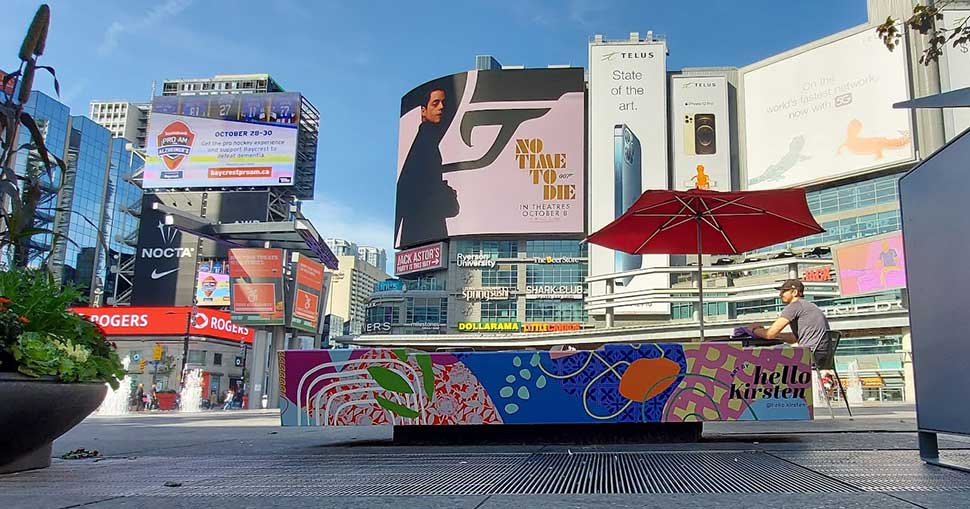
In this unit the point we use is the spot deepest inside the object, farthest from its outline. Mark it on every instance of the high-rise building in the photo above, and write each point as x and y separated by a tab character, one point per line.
121	220
341	247
373	255
350	290
124	119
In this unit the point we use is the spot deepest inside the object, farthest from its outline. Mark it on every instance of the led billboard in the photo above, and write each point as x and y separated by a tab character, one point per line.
256	286
871	265
491	152
305	312
229	140
825	113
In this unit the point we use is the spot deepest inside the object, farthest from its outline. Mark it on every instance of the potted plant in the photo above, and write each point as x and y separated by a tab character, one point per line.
53	364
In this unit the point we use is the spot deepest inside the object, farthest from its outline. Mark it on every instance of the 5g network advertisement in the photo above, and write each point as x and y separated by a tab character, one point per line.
627	151
228	140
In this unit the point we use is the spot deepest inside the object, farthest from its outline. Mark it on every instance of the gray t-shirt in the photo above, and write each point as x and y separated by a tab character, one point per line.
808	323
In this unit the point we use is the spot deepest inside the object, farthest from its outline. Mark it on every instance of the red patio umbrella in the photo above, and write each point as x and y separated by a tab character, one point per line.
700	222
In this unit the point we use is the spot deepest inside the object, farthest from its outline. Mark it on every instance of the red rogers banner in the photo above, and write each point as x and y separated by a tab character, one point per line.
165	321
420	259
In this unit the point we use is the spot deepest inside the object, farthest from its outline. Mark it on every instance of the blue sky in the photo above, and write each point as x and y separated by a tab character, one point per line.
354	60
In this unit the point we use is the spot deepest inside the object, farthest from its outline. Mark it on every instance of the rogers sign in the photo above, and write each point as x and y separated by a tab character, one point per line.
419	259
165	321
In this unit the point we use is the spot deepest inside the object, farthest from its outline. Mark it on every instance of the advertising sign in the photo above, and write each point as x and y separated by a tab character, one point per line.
212	289
551	327
256	286
165	321
307	295
554	292
229	140
826	113
420	259
955	74
700	132
165	257
491	152
489	326
627	152
872	265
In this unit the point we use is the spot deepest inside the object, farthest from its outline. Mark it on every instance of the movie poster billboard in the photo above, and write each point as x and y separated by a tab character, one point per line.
491	152
229	140
256	286
700	132
627	153
826	113
307	295
871	265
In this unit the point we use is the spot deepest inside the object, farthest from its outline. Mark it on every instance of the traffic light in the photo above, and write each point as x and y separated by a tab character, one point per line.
141	364
158	353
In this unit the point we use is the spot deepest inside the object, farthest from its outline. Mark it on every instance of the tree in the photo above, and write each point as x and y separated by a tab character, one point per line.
924	21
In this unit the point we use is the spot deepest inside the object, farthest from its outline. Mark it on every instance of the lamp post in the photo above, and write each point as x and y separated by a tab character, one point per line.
185	342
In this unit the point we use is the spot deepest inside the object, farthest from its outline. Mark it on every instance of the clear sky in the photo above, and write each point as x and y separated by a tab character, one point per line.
354	60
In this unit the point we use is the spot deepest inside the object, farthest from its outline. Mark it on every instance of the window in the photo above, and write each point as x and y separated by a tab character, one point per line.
555	248
553	310
197	357
426	310
382	314
499	311
555	274
217	359
496	248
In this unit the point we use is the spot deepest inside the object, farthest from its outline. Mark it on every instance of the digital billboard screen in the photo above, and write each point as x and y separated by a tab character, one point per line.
491	152
826	113
256	286
229	140
872	265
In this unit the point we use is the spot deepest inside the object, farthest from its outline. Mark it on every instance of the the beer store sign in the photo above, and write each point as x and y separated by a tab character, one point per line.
554	292
563	259
487	293
475	261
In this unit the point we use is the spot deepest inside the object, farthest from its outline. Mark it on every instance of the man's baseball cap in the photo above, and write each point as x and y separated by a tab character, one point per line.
792	284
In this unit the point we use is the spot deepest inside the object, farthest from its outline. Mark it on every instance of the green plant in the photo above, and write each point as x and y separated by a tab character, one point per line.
42	337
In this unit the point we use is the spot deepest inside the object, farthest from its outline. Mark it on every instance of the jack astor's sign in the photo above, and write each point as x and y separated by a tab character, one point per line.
420	259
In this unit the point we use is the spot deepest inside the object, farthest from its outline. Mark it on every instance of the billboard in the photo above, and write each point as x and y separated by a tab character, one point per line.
307	295
700	132
491	152
212	289
164	257
165	321
627	151
229	140
955	74
871	265
420	259
826	113
256	286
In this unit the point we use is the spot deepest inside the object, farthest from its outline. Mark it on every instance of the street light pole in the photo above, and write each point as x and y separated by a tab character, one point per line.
185	343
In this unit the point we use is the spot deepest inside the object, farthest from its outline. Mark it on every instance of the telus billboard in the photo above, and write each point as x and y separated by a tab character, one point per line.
826	113
700	132
491	152
627	152
229	140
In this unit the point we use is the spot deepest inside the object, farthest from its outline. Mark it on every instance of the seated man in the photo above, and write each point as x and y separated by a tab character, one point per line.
809	326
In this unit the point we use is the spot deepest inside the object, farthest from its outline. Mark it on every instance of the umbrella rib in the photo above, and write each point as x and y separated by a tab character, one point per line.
711	219
665	202
664	226
770	213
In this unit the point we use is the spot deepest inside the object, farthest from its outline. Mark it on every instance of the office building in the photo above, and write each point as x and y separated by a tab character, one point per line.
373	255
124	119
350	289
341	247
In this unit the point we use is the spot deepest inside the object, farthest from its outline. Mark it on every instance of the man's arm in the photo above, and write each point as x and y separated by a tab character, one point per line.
775	331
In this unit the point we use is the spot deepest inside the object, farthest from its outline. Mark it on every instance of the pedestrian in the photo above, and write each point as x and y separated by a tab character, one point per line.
228	401
140	398
809	327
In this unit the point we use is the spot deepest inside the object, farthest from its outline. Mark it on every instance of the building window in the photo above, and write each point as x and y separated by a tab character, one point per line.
555	274
554	310
384	314
504	275
555	248
496	248
217	359
426	310
197	357
499	311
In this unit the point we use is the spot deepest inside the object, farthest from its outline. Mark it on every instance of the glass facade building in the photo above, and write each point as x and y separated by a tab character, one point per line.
121	223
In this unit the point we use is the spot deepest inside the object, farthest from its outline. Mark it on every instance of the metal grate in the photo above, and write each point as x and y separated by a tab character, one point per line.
885	470
608	473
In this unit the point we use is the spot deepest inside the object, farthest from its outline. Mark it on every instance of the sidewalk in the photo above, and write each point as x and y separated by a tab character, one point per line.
244	459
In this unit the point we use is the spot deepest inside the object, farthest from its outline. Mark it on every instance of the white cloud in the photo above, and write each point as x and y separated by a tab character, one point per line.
157	13
333	218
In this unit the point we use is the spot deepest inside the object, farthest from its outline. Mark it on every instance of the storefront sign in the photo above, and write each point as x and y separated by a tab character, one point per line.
819	274
425	325
377	328
872	382
257	286
870	307
165	321
489	293
554	292
550	327
420	259
489	327
307	295
564	259
477	261
389	285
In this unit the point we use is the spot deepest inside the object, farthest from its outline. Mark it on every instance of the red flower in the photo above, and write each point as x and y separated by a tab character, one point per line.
23	320
5	301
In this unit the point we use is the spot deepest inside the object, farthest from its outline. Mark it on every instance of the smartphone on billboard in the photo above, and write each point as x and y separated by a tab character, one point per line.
627	187
700	137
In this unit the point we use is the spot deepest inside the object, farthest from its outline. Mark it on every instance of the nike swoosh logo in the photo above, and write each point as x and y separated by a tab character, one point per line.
157	275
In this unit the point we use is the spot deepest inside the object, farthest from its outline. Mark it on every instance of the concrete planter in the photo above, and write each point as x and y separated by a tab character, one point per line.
37	411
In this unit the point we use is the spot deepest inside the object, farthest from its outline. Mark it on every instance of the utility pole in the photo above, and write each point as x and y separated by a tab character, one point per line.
185	344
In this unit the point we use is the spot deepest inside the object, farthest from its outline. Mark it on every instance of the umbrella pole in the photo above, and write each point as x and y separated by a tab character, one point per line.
700	277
